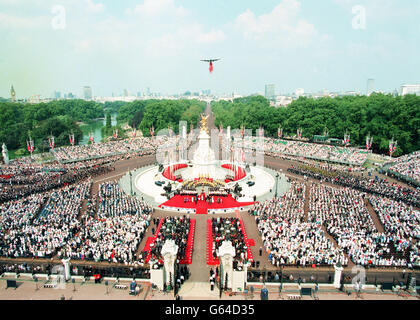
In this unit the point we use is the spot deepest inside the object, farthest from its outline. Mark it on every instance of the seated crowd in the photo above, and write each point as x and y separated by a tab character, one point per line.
288	239
229	229
408	166
376	185
172	228
143	146
345	216
56	224
114	234
23	179
282	148
402	224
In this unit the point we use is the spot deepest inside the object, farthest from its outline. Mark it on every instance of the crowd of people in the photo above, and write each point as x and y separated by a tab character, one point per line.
229	229
351	156
42	235
23	179
142	146
402	224
115	232
408	166
377	186
172	228
287	238
344	214
279	148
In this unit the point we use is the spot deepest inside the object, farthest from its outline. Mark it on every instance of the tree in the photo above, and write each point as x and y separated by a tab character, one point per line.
384	116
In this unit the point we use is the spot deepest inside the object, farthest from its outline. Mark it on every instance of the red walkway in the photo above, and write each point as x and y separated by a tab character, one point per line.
190	244
202	206
151	240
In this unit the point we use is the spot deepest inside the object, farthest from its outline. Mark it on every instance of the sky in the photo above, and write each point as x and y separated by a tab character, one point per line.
333	45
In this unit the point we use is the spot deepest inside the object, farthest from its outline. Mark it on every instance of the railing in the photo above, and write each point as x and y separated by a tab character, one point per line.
76	269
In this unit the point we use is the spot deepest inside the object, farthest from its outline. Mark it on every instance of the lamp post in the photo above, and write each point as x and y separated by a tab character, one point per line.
131	183
277	179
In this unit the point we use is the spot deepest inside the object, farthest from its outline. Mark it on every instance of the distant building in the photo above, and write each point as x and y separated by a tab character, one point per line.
125	94
370	87
270	92
57	95
12	94
87	92
282	101
300	92
410	89
138	94
36	98
350	93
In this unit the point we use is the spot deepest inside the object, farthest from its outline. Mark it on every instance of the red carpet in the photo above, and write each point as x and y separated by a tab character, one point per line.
190	244
237	170
169	172
202	206
151	240
247	242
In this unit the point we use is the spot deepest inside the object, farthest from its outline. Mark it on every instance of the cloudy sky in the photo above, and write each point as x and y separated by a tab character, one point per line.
111	45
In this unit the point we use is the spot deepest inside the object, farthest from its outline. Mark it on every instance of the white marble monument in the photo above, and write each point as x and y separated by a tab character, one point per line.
226	255
169	253
5	154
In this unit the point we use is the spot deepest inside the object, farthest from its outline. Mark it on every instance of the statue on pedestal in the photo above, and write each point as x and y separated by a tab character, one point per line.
204	123
169	252
5	154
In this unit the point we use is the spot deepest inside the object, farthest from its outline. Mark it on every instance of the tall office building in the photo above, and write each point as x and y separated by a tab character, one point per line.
410	89
370	88
57	95
87	92
270	91
12	94
125	94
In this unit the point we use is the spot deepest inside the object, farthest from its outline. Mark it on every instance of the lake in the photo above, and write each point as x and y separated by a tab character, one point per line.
95	127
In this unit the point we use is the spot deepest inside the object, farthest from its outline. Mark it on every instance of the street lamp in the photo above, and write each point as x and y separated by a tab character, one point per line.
131	184
277	179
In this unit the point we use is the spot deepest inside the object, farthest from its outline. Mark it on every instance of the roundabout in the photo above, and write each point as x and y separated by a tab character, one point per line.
204	184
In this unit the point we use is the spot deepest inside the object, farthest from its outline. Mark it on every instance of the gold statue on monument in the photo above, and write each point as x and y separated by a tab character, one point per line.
204	123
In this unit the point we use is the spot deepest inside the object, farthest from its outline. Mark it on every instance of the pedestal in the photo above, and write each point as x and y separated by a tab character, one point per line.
169	253
66	263
5	154
226	255
337	275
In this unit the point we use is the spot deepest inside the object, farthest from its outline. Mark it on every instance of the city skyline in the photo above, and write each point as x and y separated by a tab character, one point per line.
158	44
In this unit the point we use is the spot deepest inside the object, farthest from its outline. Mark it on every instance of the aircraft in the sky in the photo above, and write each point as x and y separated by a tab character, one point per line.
211	63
